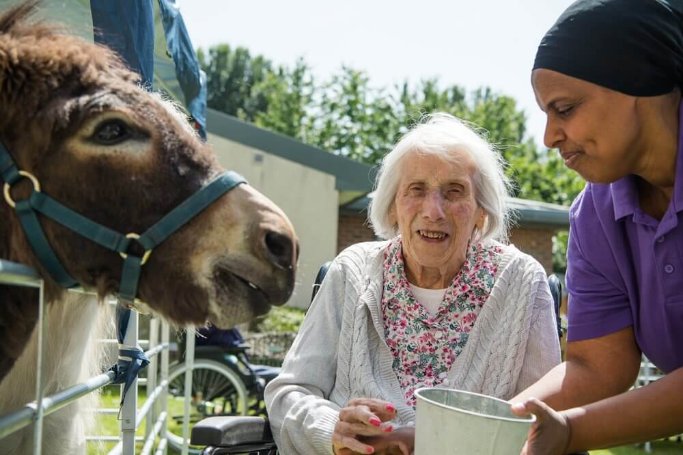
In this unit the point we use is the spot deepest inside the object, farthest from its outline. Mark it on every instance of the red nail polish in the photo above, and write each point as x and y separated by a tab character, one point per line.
391	408
374	421
369	450
388	428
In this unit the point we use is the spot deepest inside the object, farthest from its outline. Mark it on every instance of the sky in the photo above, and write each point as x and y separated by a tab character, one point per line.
471	43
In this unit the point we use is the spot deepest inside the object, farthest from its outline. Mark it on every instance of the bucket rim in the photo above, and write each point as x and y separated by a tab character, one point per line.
525	420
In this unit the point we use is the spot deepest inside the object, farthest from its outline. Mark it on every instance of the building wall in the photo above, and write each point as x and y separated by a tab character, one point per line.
536	242
353	228
307	196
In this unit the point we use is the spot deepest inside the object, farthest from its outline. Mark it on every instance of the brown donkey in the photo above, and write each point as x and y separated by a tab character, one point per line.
76	123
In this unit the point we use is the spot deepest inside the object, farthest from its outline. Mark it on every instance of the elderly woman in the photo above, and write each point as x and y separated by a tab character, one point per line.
441	303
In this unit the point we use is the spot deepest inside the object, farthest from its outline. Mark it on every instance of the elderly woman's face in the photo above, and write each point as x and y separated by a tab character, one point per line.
596	130
436	213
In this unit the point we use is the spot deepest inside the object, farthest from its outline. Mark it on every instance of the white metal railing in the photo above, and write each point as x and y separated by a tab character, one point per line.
648	373
154	408
20	275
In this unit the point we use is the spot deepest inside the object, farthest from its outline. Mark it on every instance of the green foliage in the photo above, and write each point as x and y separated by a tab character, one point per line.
660	447
560	251
232	75
285	96
349	117
279	319
352	119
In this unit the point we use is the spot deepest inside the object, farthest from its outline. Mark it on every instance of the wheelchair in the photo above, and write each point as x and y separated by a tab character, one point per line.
242	434
224	383
251	435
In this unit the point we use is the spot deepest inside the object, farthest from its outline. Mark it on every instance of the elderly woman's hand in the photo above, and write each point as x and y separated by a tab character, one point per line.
401	441
550	434
364	427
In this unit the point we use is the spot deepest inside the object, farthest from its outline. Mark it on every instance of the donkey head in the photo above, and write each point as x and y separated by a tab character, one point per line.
75	118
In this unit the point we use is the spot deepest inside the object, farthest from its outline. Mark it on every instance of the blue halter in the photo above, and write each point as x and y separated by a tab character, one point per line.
39	202
131	360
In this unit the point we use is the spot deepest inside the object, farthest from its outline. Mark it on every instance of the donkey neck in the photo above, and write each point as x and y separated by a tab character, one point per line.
72	355
73	324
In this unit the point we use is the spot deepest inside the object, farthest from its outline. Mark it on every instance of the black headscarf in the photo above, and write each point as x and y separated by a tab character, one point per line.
631	46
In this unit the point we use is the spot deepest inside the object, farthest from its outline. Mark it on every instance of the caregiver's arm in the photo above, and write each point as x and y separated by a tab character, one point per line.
594	369
642	414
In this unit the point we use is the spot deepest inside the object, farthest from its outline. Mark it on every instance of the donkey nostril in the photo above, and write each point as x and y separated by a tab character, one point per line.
280	248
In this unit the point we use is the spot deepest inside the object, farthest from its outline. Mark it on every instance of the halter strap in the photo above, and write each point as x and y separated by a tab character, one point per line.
39	202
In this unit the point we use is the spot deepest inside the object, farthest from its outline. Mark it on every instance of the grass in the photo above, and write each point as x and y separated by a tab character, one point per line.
109	424
662	447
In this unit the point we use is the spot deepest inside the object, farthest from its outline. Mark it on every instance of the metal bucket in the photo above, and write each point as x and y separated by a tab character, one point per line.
457	422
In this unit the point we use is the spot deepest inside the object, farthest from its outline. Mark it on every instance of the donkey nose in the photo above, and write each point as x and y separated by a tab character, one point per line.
280	249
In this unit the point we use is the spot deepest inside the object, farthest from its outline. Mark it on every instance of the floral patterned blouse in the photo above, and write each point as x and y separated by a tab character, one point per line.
424	346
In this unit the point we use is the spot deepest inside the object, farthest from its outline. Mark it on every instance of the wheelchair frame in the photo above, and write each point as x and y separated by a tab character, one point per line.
224	383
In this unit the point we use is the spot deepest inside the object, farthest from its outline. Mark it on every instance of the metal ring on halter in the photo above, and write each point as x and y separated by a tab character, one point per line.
145	256
28	175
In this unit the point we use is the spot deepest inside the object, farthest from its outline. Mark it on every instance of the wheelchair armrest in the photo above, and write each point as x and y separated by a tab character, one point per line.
226	431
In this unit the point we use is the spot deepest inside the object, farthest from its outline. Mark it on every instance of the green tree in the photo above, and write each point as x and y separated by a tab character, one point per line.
286	96
352	119
348	116
231	75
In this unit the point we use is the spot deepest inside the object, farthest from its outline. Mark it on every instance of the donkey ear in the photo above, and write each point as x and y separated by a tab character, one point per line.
12	20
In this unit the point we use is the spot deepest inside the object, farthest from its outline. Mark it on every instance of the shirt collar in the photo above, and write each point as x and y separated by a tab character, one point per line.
625	193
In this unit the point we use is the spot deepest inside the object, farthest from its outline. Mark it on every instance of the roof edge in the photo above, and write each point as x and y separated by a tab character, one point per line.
350	175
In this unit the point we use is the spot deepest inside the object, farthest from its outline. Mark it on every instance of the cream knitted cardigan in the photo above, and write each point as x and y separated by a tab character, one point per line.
340	353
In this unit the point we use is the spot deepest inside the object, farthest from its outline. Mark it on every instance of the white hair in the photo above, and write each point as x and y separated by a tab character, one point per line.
441	134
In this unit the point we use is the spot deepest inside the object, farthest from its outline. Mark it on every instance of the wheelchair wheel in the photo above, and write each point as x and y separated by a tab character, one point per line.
216	390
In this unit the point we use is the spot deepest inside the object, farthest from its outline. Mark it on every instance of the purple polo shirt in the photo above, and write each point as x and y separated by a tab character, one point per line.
625	268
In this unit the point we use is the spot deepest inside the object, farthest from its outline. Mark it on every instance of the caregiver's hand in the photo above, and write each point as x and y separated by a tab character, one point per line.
361	418
550	434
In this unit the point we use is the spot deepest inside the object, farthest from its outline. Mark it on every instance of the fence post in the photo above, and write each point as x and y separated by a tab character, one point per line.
163	376
152	374
42	331
130	402
189	362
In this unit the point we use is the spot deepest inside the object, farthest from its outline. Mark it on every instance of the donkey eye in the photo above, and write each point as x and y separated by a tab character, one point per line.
111	132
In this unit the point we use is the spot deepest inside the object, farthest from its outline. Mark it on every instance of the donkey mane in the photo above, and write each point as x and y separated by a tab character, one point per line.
58	65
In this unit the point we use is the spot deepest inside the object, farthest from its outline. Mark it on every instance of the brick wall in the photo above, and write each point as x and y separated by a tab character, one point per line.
534	241
537	242
353	229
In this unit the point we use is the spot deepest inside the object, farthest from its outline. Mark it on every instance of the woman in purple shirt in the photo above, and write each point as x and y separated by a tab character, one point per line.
608	75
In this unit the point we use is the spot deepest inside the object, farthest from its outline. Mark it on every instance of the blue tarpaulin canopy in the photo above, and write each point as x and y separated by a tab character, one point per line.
150	35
